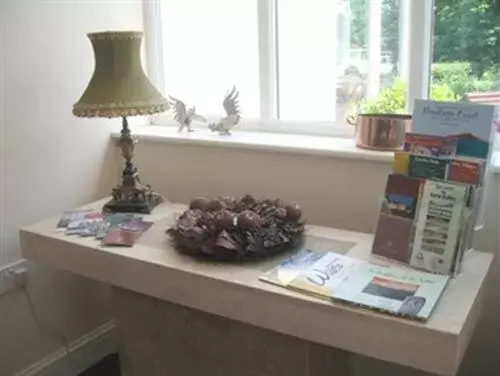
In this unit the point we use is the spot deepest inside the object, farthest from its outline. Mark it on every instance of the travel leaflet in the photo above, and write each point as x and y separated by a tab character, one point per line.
439	224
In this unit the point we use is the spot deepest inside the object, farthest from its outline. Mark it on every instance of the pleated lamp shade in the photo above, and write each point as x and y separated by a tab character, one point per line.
119	87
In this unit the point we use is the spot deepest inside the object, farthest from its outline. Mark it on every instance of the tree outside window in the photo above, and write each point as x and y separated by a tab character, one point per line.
466	51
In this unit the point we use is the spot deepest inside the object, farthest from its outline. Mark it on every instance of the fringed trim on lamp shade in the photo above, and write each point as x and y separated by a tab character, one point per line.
119	86
118	110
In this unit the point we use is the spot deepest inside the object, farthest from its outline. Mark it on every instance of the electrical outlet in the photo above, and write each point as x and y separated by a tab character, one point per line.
13	276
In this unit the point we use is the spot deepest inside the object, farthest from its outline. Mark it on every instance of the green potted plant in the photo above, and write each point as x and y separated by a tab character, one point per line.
382	121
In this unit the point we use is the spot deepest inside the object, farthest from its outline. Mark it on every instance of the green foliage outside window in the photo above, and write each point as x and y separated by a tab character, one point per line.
465	31
451	81
460	77
392	100
466	50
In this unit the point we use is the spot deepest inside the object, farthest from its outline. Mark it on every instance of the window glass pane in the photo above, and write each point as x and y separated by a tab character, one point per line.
466	48
209	46
338	57
467	61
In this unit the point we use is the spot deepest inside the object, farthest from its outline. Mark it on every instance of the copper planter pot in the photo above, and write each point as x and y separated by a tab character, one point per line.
380	131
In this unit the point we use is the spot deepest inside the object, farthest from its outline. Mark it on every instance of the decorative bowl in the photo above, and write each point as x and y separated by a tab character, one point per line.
237	228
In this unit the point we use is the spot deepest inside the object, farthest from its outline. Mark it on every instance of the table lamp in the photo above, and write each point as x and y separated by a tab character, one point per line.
120	88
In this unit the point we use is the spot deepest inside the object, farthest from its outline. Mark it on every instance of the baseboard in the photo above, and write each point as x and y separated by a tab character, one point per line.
85	351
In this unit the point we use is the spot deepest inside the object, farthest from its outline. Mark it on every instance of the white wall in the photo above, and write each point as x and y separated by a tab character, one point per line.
336	192
50	160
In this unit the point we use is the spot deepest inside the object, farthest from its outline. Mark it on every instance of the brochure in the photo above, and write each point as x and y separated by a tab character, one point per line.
439	225
393	237
389	289
401	195
69	217
289	269
126	234
469	171
392	290
312	273
468	127
323	276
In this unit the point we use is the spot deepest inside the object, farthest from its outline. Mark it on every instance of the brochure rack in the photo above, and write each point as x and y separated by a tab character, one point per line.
434	199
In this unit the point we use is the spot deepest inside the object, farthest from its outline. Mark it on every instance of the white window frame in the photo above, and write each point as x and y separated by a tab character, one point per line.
417	37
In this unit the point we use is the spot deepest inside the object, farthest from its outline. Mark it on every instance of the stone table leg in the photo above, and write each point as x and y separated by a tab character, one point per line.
164	339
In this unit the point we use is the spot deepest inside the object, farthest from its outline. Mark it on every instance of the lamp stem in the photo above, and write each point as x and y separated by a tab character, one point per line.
131	195
127	145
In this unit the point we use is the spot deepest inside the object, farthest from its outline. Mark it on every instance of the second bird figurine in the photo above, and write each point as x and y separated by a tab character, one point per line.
231	105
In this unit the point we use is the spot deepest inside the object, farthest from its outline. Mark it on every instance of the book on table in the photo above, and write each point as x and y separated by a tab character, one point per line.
310	272
389	289
395	290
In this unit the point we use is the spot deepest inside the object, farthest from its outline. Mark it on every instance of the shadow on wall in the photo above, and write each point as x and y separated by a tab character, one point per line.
110	170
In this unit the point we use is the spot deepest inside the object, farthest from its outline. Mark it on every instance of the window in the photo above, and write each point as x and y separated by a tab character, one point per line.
466	61
302	66
306	47
334	55
209	46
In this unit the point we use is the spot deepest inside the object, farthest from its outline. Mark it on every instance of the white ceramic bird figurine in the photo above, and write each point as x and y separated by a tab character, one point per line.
185	116
231	105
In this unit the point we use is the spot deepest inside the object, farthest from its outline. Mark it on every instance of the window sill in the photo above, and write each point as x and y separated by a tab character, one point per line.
337	147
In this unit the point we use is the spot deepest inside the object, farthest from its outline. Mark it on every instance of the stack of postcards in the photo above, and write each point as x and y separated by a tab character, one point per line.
110	228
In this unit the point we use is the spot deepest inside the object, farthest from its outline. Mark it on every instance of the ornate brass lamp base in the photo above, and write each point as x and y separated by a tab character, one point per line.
131	196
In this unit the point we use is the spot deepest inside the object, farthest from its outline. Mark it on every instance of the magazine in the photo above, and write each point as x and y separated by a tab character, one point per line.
389	289
322	276
310	272
392	290
289	269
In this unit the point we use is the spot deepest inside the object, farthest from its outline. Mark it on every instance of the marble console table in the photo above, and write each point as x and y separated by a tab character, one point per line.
180	317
